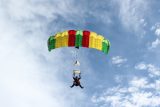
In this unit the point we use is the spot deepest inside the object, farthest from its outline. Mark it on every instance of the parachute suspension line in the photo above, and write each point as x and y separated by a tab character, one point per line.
76	54
76	70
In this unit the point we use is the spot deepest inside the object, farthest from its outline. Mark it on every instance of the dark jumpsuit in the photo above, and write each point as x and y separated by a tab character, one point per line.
76	81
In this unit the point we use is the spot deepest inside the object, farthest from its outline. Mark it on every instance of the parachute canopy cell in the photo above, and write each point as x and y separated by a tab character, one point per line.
79	38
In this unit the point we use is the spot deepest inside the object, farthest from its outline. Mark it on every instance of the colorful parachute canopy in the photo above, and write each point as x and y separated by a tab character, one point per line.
79	38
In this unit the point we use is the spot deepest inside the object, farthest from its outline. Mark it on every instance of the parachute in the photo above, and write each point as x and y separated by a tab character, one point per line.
79	38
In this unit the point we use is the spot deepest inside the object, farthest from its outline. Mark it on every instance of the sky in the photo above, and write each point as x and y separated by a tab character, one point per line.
129	76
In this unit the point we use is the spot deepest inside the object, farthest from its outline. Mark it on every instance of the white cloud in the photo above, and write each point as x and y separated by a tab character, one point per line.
29	75
157	85
132	14
157	32
155	71
141	66
142	99
133	95
156	29
118	60
138	92
152	69
139	83
155	43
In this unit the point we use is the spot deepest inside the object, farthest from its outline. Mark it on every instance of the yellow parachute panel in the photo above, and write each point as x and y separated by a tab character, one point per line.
58	40
64	41
99	41
92	39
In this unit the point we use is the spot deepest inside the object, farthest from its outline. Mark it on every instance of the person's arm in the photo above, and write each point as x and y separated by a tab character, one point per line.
79	75
74	78
73	75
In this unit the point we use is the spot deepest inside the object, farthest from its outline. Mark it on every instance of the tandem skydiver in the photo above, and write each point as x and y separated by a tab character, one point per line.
76	81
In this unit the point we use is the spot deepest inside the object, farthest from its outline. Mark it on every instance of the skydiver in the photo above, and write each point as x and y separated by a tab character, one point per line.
76	81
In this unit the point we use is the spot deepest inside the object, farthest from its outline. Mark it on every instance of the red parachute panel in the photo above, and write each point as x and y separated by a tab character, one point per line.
72	37
85	40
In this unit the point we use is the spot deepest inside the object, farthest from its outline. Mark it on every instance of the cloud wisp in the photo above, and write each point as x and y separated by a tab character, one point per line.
118	60
133	15
152	69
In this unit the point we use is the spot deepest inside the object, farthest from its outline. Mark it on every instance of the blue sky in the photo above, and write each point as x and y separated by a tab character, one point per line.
129	76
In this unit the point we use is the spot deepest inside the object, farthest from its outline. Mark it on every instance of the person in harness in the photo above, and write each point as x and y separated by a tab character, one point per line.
76	81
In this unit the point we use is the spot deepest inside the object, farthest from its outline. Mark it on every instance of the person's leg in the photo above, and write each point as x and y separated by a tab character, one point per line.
81	86
72	86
